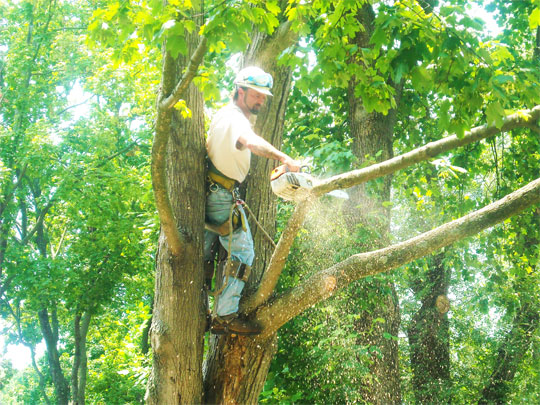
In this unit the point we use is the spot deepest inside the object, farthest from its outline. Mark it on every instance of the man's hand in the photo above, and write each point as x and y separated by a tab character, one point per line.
292	165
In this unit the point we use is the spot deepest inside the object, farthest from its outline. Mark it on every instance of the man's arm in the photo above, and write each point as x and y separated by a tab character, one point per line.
260	147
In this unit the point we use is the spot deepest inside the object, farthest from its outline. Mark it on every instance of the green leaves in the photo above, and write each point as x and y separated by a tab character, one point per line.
534	19
495	113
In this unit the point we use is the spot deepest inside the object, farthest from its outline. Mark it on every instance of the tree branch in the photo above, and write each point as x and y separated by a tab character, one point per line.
355	177
277	261
425	152
75	105
159	184
191	72
120	152
17	317
10	193
175	240
39	221
325	283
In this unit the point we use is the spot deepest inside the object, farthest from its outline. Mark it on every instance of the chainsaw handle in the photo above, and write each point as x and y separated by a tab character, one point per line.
278	171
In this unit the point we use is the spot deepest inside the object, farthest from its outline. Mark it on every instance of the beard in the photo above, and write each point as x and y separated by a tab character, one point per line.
254	109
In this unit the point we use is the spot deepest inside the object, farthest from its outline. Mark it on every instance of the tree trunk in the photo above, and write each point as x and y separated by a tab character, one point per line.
429	337
524	327
76	358
50	334
179	315
236	368
79	368
372	135
510	354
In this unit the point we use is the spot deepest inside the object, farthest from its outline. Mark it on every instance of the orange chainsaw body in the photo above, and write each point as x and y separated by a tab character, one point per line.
291	186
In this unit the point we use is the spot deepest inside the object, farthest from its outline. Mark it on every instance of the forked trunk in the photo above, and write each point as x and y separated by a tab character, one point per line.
179	311
238	367
50	335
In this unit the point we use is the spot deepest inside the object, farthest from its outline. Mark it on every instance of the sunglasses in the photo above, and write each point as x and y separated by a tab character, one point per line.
260	80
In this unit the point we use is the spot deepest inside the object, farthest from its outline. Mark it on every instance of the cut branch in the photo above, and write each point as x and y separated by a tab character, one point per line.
325	283
432	149
356	177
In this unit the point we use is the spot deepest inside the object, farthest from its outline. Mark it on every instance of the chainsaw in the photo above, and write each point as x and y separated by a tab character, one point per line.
296	186
291	186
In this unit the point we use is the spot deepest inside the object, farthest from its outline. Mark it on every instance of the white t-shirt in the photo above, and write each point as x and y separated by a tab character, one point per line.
225	129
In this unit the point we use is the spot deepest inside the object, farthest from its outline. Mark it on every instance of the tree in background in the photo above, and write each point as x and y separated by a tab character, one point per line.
73	209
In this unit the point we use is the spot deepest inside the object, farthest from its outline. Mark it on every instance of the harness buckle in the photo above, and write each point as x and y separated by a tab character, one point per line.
213	187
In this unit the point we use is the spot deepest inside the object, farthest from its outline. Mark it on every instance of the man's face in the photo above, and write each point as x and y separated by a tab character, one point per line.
252	99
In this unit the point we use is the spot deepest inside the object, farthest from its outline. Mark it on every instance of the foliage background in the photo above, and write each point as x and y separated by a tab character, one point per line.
90	174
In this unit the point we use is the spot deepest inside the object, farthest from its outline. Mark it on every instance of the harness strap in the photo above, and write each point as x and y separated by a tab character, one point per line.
238	220
223	181
214	175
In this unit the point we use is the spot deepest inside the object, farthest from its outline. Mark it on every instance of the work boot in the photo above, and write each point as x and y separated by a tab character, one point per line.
234	325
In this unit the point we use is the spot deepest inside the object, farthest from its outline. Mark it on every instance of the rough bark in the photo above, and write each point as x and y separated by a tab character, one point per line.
429	336
237	368
178	320
372	135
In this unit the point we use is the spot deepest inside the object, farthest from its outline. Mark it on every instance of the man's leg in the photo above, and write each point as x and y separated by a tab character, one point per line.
239	264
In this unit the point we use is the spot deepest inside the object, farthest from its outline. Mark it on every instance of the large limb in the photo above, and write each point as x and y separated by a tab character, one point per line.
167	99
430	150
325	283
356	177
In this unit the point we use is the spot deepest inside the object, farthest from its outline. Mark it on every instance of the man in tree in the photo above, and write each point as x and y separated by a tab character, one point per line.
230	142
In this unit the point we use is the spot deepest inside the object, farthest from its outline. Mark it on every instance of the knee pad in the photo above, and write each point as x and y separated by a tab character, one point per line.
239	270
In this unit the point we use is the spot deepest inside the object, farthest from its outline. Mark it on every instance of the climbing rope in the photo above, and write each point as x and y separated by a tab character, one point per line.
216	293
259	225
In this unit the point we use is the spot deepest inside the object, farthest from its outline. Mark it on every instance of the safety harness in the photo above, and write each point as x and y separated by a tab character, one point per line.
215	180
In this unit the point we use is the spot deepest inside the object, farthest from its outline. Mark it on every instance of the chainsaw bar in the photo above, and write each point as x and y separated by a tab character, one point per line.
296	186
